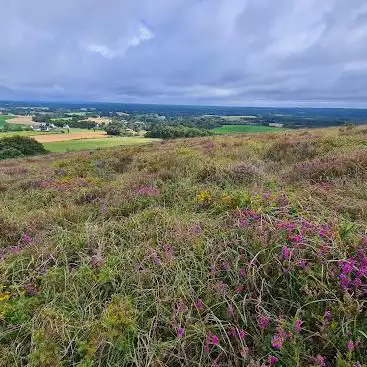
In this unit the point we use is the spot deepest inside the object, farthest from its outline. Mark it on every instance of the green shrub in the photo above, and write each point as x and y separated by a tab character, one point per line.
17	146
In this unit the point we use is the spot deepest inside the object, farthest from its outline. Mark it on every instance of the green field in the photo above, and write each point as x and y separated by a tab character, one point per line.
3	120
88	144
233	129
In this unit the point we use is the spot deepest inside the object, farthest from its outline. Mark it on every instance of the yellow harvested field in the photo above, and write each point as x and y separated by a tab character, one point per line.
21	120
63	137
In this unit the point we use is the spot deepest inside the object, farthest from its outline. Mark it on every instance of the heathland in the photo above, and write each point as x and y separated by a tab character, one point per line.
244	250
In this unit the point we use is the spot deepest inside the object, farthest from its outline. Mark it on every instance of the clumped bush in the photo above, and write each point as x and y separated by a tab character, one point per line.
244	172
321	169
288	151
18	146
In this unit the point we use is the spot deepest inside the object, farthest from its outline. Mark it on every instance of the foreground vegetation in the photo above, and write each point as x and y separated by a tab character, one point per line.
219	251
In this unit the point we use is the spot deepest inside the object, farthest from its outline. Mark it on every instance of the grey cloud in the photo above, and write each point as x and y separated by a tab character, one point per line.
185	51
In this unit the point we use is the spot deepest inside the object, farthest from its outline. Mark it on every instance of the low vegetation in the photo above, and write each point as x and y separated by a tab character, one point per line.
214	251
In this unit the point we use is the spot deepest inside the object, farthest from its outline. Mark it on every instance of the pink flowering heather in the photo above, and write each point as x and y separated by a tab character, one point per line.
298	325
147	191
214	340
199	304
286	253
327	315
277	341
27	240
350	345
241	334
272	360
263	322
320	361
242	272
180	332
210	339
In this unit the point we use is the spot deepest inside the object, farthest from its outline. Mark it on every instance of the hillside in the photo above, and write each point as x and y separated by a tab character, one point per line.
245	250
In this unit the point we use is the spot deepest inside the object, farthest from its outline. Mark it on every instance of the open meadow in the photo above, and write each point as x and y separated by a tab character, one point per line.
246	250
234	129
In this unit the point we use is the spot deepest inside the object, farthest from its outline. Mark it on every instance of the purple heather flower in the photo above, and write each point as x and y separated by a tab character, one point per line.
320	360
277	341
242	272
263	322
346	266
199	304
286	253
327	315
27	240
298	325
241	334
350	345
214	340
272	360
180	332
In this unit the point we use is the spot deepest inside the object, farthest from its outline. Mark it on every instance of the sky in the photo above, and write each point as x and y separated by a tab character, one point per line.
215	52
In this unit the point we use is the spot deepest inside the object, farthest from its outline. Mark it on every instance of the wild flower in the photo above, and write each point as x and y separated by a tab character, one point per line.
320	361
241	334
214	340
27	239
350	345
180	332
199	304
298	325
210	339
204	197
263	321
286	253
272	360
4	296
327	315
242	272
277	341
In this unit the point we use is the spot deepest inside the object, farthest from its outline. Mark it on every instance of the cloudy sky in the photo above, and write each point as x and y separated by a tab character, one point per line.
221	52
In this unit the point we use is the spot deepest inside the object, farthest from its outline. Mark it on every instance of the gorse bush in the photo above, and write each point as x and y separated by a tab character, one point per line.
17	146
189	253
